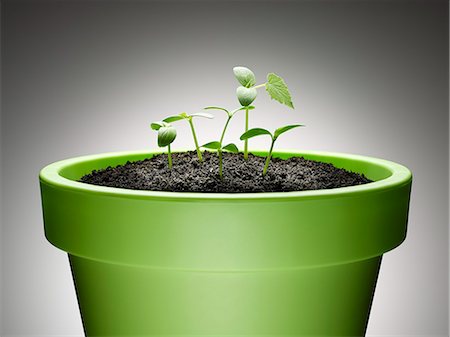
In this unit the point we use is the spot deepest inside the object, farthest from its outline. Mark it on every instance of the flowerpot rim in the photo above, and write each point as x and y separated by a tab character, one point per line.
245	231
396	175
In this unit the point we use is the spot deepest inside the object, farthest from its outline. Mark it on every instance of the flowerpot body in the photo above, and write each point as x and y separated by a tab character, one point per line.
151	263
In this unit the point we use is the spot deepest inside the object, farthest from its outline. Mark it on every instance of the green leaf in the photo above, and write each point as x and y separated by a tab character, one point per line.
174	118
166	135
250	107
254	132
202	114
157	125
212	145
216	108
245	76
246	96
278	90
283	129
231	148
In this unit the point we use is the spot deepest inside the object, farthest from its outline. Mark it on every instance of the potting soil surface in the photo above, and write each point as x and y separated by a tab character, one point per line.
239	175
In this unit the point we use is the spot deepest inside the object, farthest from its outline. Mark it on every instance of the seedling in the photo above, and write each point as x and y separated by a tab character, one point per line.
189	118
166	135
258	132
246	94
219	148
217	145
230	115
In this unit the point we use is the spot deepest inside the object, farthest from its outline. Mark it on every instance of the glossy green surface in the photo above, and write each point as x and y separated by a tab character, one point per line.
162	263
117	300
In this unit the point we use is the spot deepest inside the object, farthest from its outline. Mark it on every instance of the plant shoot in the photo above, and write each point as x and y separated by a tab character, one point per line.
246	93
166	135
217	145
259	131
185	116
219	148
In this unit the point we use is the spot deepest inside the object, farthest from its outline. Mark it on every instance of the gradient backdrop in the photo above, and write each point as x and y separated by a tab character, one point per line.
367	77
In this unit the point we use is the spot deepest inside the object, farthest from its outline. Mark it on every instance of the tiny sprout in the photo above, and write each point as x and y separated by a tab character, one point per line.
258	132
246	94
166	135
189	118
217	145
219	148
230	115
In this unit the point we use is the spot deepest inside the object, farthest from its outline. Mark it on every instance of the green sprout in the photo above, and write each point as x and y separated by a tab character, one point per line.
246	93
166	135
219	148
258	132
217	145
189	118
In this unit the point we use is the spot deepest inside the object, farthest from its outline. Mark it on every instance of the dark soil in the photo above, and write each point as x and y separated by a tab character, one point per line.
239	175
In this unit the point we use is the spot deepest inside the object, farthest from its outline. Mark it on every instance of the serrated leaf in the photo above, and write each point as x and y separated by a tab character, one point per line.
246	96
174	118
202	114
231	148
212	145
245	76
166	135
278	90
283	129
254	132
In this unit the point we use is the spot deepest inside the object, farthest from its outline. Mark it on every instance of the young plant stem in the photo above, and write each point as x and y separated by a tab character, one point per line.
246	141
169	156
225	129
220	163
259	86
219	152
268	157
199	154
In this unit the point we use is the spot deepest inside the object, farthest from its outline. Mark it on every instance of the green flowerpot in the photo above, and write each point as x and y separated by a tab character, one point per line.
151	263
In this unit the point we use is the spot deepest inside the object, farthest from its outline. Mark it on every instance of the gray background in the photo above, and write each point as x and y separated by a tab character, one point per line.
87	77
